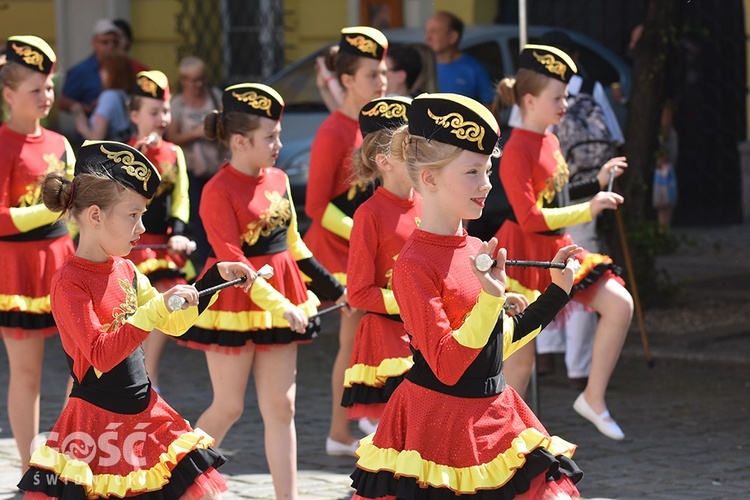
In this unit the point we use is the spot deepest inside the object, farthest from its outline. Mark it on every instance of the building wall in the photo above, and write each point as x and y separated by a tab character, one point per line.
306	29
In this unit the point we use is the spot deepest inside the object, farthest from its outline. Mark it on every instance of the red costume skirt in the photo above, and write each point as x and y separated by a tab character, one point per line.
331	250
380	358
234	322
534	246
433	445
28	267
95	453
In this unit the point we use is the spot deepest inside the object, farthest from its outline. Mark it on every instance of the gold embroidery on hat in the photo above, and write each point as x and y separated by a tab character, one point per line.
553	65
464	130
255	101
29	56
363	44
148	86
387	110
131	167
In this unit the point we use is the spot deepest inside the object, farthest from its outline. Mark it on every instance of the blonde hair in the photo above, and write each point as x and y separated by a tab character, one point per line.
510	91
363	158
419	153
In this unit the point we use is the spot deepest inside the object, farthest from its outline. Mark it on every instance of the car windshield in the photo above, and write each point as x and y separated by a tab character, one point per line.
299	88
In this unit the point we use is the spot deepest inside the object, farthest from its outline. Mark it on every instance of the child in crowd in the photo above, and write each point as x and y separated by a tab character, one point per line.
460	336
249	216
116	437
332	195
162	249
382	224
535	177
33	242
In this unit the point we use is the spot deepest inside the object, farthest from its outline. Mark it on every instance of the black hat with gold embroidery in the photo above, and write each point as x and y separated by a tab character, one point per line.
32	52
549	61
253	98
383	113
363	41
120	162
153	84
455	119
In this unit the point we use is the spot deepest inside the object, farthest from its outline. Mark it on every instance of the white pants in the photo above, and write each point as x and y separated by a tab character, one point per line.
572	331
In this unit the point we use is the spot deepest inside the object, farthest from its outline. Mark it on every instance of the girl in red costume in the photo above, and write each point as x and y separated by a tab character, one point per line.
382	224
535	177
116	437
169	211
32	241
460	335
249	216
332	195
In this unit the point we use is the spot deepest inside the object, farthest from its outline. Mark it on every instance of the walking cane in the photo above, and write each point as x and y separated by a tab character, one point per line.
631	279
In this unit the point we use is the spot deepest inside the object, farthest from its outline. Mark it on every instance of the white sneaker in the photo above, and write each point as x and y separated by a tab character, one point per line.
366	426
336	449
604	422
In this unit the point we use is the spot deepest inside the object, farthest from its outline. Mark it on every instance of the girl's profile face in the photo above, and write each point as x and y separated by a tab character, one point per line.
369	81
32	99
550	105
154	115
121	225
463	184
265	143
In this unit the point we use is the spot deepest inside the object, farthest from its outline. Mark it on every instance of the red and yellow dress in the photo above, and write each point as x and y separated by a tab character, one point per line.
332	193
252	220
167	215
33	243
381	355
116	437
535	178
453	428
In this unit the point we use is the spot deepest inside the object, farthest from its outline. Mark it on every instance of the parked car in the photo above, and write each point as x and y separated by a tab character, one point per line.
495	46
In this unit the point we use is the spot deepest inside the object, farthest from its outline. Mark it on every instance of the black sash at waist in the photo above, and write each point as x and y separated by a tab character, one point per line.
466	387
48	232
392	317
267	245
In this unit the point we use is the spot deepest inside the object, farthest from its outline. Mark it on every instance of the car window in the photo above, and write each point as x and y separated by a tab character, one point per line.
299	88
488	53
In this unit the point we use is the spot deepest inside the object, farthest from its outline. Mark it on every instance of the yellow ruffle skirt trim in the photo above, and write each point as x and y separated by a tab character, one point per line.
589	263
250	320
375	376
462	480
138	481
19	303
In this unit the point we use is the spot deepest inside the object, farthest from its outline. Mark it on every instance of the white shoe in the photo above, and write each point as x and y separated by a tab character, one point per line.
604	422
336	449
366	426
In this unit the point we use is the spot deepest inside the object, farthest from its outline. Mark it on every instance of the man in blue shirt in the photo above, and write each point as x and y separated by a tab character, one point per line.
457	72
82	82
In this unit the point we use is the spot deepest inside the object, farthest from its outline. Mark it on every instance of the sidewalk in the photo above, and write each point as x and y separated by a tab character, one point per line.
685	419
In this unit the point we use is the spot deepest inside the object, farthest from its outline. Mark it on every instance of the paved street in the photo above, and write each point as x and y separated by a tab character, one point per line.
686	419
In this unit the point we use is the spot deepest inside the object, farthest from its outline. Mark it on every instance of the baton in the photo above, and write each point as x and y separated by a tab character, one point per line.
327	310
176	302
164	246
484	262
612	173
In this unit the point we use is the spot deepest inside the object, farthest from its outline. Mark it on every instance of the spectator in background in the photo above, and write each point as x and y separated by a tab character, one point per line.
203	157
110	120
82	82
457	72
427	79
126	42
403	64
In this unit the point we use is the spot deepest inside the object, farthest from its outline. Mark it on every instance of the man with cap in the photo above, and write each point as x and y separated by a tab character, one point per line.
82	82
